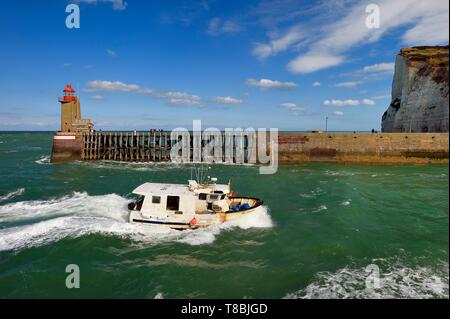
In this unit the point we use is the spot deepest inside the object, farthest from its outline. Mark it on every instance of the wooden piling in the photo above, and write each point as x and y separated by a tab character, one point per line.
150	146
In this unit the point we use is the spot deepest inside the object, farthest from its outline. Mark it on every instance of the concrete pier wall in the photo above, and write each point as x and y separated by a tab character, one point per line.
293	147
415	148
67	147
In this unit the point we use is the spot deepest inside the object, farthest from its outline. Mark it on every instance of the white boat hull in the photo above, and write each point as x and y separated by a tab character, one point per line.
201	219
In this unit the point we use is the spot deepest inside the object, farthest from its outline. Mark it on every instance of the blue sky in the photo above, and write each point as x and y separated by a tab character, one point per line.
161	64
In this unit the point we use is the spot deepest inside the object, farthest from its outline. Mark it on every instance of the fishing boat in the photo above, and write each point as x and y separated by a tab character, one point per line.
190	206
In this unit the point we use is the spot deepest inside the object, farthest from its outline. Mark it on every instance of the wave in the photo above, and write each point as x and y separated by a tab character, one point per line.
81	214
346	202
320	208
150	166
397	281
135	166
13	194
314	193
43	160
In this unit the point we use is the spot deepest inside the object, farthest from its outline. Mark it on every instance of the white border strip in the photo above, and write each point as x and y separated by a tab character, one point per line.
64	137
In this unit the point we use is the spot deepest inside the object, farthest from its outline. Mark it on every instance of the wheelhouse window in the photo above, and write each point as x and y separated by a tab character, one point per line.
223	196
156	199
137	204
202	196
173	203
213	197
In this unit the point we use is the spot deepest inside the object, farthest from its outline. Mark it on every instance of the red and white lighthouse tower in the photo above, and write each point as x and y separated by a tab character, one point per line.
70	110
67	143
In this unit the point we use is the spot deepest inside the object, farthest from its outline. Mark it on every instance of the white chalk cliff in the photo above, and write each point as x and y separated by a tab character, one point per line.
419	92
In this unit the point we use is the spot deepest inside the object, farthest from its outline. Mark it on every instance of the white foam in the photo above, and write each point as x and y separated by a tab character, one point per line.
159	295
260	218
397	281
314	193
346	202
79	204
81	214
43	160
135	166
13	194
148	166
320	208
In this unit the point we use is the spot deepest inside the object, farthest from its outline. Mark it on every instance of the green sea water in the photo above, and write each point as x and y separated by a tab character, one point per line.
323	230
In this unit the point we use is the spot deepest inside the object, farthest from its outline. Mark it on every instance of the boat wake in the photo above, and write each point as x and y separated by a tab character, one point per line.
13	194
80	214
396	280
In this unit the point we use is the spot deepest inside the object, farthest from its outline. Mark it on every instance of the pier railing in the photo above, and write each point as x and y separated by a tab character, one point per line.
156	146
152	146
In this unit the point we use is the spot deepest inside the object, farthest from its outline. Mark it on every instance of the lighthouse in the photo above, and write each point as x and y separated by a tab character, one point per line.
71	120
68	142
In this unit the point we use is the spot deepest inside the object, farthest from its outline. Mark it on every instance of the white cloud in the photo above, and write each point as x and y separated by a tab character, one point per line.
177	98
227	100
117	4
351	30
330	38
111	53
312	62
270	84
67	65
184	101
217	26
348	102
171	97
292	106
97	97
368	102
264	50
316	84
98	85
380	67
432	29
338	113
147	91
351	84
